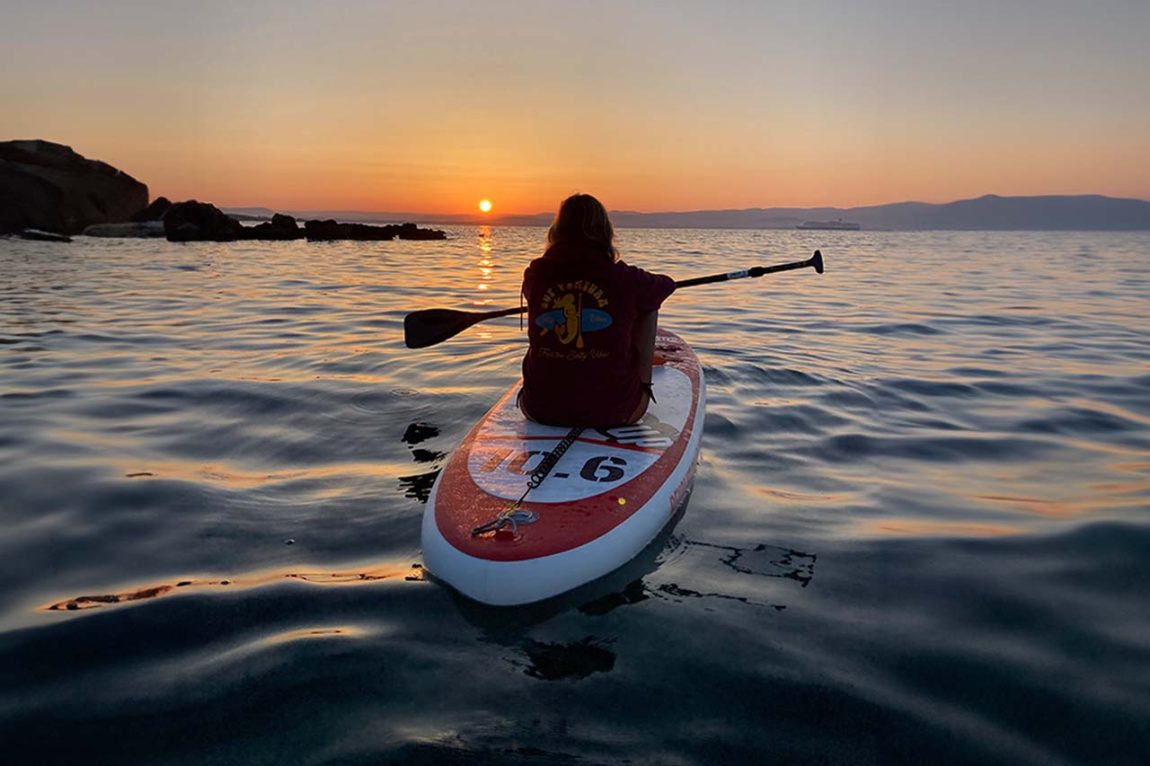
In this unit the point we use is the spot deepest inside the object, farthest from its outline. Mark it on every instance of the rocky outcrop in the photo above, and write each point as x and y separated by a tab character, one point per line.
330	230
281	227
411	231
194	221
155	211
50	187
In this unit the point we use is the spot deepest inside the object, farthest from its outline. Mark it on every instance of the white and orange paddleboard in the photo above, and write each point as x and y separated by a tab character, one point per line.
606	498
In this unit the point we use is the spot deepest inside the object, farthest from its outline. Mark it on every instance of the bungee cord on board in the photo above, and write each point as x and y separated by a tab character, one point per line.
514	514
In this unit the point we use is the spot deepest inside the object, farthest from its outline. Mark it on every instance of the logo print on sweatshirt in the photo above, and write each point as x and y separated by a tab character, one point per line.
573	308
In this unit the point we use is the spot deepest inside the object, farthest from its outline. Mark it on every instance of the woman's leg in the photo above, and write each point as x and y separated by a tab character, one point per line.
519	404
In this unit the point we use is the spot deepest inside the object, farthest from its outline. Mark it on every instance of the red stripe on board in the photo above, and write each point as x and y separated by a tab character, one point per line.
461	505
596	442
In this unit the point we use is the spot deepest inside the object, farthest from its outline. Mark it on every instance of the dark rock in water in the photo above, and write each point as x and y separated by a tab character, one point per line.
411	231
154	211
49	187
330	230
141	230
579	659
322	231
282	220
418	432
44	236
194	221
280	227
420	455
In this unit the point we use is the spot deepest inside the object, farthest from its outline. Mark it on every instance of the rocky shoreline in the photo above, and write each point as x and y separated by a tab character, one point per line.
49	192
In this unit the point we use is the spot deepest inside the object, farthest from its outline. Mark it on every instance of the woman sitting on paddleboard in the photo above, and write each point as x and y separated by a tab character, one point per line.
591	324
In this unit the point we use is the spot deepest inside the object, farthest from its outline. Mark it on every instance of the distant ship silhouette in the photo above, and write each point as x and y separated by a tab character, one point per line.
839	225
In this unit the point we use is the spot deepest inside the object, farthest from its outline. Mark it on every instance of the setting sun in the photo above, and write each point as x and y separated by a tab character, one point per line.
485	205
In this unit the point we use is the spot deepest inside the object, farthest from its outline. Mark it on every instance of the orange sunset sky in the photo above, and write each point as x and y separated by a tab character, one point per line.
429	107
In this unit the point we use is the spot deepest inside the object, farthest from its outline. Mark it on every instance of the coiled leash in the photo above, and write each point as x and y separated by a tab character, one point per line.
514	514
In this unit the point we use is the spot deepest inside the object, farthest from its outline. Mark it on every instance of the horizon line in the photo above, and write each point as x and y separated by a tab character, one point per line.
494	217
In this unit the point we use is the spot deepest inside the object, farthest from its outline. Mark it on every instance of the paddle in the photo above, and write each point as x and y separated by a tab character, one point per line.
431	326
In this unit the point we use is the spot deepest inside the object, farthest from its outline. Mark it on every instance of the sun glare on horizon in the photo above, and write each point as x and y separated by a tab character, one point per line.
485	205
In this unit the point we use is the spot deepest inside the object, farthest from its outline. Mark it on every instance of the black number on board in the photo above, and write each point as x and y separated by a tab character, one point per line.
595	470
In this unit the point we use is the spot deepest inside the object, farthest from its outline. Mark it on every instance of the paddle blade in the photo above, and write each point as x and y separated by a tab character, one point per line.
817	261
430	326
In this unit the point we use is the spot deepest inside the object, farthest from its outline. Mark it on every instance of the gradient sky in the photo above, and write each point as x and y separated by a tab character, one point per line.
430	106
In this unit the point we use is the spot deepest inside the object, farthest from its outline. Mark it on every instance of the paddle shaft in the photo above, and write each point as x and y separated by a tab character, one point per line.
815	262
431	326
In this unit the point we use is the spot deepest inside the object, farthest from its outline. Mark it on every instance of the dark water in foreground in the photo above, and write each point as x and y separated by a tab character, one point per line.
920	531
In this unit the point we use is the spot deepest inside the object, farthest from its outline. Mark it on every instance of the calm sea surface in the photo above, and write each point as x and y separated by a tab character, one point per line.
920	531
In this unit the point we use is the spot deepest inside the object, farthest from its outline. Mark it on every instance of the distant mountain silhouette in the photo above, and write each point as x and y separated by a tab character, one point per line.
991	212
1088	212
1082	212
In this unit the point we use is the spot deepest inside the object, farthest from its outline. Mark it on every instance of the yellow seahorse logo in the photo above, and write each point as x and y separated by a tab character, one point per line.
571	309
571	329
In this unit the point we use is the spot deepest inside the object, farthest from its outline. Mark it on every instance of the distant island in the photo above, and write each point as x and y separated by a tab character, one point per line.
1087	212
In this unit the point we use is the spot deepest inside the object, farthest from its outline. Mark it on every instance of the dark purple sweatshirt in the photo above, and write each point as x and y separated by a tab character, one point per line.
581	368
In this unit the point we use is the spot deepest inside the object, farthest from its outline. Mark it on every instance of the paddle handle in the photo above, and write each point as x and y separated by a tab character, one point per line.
815	262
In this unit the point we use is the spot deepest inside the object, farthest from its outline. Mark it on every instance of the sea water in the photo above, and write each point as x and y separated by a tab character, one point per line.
920	531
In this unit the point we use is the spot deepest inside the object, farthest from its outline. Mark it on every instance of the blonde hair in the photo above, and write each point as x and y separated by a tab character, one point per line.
583	221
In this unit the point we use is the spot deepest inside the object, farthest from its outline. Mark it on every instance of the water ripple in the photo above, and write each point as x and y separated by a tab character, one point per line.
918	531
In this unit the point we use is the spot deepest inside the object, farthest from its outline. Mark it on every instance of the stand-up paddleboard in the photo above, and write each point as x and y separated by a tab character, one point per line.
608	495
